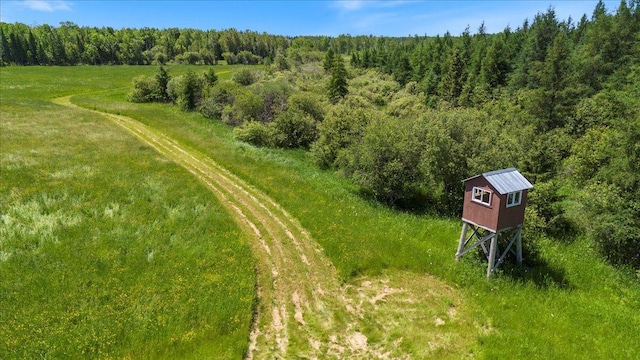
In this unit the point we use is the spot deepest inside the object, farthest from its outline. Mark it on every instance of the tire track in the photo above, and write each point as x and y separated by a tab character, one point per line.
302	310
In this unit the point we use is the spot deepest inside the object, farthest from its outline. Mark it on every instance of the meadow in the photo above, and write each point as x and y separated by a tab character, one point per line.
103	242
107	250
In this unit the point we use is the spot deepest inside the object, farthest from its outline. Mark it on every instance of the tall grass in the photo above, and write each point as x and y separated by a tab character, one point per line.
107	250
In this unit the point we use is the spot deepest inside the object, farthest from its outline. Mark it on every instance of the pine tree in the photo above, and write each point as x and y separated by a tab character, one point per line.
210	77
495	65
5	50
190	93
450	86
551	98
162	78
338	81
402	71
329	60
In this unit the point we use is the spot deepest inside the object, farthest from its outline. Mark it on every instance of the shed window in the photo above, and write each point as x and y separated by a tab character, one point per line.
482	196
514	198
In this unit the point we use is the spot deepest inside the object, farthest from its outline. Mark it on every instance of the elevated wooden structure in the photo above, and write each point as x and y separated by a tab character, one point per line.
494	204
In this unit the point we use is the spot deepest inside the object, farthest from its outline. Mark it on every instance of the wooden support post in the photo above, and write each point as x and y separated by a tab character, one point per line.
463	239
519	245
492	255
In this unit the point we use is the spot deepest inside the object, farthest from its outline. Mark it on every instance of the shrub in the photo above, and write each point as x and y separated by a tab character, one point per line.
341	127
307	103
216	98
281	62
247	106
245	77
190	57
613	222
230	58
254	133
293	129
173	87
386	162
274	94
161	58
145	89
247	58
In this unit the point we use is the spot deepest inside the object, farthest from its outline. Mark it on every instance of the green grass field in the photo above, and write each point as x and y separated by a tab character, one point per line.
107	250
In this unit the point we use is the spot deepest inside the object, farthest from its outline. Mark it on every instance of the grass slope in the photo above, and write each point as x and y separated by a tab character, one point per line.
106	248
568	304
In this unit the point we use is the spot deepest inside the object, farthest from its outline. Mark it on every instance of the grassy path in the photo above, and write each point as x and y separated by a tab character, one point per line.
302	310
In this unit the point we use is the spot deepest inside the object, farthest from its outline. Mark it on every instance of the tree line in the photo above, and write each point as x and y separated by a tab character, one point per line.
70	44
410	117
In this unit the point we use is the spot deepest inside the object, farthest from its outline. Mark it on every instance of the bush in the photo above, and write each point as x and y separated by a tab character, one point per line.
274	94
386	162
247	106
161	58
190	58
216	98
307	103
145	89
613	222
281	62
173	88
341	127
254	133
230	58
245	77
293	129
247	58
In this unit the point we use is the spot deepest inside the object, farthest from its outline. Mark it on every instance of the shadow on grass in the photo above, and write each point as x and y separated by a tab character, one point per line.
533	270
416	204
540	273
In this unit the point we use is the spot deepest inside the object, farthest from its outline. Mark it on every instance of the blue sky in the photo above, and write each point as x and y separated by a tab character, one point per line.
332	18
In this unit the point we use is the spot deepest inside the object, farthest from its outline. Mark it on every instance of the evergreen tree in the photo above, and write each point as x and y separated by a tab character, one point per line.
329	60
403	71
355	60
451	83
495	65
162	79
538	39
210	77
17	50
190	92
552	98
5	50
338	81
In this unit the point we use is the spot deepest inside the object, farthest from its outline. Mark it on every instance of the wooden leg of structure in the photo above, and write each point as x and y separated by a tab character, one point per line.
519	246
463	239
492	255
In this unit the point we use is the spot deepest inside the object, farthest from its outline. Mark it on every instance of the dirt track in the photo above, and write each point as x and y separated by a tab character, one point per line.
302	309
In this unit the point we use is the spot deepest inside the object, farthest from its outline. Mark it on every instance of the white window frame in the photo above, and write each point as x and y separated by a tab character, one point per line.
514	198
482	192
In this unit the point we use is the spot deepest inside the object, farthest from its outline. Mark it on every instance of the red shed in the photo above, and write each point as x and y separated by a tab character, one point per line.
494	202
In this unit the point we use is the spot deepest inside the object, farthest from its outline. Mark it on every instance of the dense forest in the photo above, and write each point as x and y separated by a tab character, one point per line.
406	119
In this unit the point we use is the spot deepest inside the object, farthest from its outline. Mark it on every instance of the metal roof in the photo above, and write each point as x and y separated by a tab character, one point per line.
506	180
